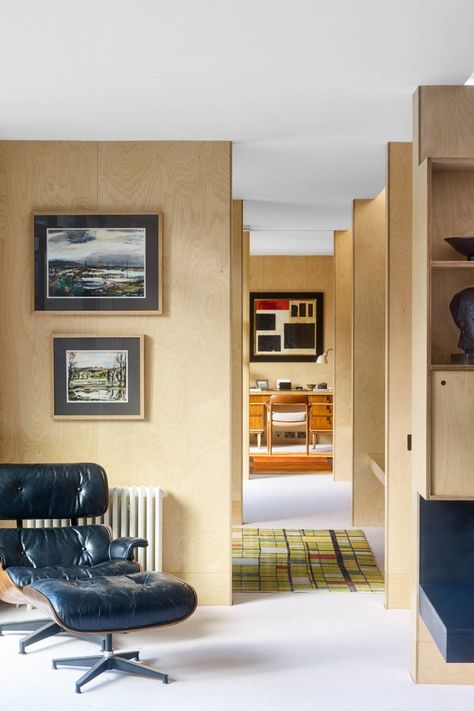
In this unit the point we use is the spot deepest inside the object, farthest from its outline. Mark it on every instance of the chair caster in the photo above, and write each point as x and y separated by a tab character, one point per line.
21	650
165	679
78	689
53	665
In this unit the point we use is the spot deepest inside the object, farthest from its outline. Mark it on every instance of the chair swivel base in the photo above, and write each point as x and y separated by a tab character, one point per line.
108	661
41	629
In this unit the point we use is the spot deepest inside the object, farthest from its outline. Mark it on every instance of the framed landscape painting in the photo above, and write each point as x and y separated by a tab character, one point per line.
286	326
98	263
98	377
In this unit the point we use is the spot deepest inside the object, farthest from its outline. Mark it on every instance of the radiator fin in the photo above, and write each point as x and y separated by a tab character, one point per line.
134	511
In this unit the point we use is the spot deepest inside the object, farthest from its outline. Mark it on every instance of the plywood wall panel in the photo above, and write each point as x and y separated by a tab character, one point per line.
343	355
444	122
237	371
398	375
183	443
369	357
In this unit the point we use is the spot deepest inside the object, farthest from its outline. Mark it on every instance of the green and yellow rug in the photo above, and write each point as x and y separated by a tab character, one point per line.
302	560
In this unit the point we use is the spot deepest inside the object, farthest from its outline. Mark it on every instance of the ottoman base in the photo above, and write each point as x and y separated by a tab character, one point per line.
108	661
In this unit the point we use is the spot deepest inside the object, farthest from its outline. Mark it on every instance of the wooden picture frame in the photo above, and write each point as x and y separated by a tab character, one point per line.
286	327
98	377
262	384
98	263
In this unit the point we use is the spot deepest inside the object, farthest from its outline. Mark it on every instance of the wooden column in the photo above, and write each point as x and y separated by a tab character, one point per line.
398	375
343	355
236	253
245	352
368	376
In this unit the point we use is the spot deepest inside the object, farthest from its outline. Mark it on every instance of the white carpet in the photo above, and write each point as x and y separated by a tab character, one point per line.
267	653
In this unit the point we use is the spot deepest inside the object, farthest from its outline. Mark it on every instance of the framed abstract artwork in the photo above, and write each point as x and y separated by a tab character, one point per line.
98	263
286	326
98	377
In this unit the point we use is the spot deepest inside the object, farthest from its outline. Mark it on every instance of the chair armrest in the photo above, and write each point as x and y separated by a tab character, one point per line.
124	548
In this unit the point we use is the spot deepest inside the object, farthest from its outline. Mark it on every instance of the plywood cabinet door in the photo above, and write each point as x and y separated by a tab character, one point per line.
452	434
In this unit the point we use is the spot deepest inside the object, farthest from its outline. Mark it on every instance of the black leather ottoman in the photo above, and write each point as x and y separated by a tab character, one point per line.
113	604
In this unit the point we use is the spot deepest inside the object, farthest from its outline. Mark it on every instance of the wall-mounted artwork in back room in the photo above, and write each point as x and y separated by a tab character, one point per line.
98	263
286	326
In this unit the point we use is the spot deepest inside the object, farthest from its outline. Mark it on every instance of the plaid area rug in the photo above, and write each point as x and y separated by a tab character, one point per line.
302	560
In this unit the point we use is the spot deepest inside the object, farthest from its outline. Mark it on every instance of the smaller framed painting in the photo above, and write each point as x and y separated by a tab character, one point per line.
262	384
98	263
98	378
286	326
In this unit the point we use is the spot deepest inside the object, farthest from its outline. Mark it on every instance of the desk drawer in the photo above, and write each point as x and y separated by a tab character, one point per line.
320	398
321	423
321	410
257	417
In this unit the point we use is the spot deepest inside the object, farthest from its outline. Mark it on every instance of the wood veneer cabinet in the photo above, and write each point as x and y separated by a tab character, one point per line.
321	416
443	394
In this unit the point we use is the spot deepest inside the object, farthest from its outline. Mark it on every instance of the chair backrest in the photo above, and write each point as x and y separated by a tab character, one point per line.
65	546
53	491
290	402
288	398
47	491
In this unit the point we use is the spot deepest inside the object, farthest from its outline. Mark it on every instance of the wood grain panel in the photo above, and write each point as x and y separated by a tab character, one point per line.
444	122
398	376
245	353
420	337
343	356
369	357
288	273
236	326
184	442
452	426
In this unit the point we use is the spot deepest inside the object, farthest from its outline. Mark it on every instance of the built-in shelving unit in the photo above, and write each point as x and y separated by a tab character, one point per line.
442	414
442	392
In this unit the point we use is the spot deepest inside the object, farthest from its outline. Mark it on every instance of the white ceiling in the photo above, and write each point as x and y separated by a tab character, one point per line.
309	91
280	242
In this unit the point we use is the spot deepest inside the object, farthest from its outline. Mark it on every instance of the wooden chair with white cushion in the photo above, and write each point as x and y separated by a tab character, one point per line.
288	412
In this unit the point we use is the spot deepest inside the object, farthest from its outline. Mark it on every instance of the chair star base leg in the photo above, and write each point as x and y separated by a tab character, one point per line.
47	630
22	627
109	661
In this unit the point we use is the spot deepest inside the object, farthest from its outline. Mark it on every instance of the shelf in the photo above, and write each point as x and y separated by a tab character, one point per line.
452	264
450	366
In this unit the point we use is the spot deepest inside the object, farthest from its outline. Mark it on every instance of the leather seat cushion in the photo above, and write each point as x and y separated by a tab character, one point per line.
22	575
114	604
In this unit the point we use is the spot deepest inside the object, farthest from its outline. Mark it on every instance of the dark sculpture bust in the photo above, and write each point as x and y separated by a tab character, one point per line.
462	311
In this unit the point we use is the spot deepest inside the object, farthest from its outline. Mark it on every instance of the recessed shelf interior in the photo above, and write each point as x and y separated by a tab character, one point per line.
452	208
452	214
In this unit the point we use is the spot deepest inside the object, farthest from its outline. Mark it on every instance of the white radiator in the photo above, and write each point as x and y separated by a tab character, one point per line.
134	511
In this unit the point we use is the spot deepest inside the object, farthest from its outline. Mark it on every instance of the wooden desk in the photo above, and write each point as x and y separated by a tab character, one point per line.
320	413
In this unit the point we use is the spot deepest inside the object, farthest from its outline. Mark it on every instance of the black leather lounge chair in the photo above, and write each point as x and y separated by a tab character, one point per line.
87	584
55	491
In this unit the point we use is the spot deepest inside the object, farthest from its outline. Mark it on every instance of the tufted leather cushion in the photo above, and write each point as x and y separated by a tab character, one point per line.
52	491
119	603
22	576
44	547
